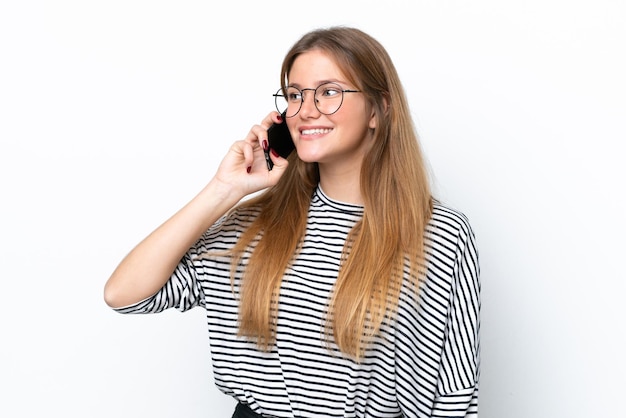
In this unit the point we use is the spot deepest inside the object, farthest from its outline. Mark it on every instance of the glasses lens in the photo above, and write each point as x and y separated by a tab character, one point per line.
288	101
328	98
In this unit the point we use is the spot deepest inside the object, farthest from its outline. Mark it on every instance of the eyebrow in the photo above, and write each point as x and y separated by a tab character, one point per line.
319	83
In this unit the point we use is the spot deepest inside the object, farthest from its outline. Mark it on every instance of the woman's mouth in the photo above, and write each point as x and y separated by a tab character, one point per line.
314	131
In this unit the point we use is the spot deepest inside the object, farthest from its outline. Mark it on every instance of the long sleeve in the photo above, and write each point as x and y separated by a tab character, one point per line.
437	341
183	290
460	363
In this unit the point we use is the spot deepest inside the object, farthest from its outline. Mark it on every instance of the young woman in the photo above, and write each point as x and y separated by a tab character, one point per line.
344	289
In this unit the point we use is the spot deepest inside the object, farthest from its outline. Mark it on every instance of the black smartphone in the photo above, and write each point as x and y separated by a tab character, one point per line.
279	139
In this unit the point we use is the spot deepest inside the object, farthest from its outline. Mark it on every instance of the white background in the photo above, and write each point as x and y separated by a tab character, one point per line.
113	114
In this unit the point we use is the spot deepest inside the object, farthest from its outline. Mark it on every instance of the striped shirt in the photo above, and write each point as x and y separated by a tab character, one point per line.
424	363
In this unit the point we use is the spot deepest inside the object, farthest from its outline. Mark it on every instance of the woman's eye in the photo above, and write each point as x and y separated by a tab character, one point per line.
294	97
330	92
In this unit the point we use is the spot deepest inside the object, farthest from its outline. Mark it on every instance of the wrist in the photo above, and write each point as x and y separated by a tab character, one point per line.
219	193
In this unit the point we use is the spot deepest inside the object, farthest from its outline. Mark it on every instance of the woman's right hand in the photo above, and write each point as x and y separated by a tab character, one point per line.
244	170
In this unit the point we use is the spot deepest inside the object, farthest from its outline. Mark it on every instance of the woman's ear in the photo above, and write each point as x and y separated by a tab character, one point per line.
373	118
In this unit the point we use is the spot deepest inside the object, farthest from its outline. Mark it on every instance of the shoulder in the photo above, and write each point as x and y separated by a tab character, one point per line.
449	235
448	218
227	230
239	217
448	223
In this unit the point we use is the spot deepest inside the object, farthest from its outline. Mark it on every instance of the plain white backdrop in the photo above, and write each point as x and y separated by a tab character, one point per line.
113	114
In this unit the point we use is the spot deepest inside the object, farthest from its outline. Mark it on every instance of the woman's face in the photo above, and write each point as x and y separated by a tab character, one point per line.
338	140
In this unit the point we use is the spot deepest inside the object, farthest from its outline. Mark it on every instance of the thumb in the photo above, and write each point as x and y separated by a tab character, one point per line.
280	164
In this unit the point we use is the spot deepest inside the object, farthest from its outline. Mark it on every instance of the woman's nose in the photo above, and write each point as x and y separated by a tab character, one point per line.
309	106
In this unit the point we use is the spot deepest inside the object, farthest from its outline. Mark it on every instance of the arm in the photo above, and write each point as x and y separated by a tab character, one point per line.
459	373
150	264
437	344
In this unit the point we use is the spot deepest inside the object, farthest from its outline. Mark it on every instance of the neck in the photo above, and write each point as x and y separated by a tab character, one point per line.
344	186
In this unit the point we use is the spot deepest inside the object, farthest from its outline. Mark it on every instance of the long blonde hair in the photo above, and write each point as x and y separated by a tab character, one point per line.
397	206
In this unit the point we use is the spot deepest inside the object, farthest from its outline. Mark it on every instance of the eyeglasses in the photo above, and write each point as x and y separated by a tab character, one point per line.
328	98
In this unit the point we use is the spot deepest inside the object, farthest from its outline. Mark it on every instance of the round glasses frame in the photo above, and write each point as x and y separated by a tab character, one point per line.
284	101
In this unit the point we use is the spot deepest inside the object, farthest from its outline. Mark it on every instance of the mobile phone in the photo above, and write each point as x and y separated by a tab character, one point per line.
279	139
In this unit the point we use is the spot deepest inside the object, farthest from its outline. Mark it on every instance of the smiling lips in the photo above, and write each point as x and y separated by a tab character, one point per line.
315	131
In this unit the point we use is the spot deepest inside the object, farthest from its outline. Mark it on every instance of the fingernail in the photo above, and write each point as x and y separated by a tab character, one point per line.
248	169
274	153
265	145
279	117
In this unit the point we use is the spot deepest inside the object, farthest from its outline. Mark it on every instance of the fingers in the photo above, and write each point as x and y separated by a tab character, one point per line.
252	154
278	162
272	117
258	137
258	133
248	156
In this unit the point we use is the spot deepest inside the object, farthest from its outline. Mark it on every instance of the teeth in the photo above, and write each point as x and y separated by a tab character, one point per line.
315	131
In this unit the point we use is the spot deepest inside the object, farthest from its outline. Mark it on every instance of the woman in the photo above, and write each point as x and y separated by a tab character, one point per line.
344	289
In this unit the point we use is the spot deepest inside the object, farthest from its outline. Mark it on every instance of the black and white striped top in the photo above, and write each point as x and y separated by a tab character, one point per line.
423	364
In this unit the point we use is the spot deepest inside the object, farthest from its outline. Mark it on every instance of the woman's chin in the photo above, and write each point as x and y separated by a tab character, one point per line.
308	157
